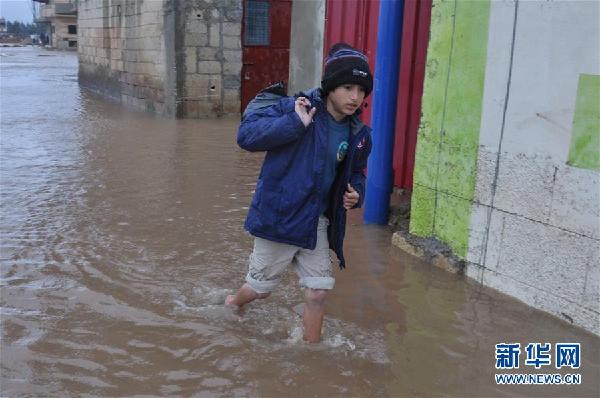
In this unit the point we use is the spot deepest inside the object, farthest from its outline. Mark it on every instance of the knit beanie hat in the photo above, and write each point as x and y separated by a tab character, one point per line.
345	64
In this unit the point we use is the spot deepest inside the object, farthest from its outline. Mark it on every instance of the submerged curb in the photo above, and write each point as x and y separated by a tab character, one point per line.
430	250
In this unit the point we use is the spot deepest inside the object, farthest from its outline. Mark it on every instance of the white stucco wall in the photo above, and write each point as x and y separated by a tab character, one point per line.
535	226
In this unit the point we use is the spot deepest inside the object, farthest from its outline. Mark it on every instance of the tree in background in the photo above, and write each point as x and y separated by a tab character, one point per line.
22	29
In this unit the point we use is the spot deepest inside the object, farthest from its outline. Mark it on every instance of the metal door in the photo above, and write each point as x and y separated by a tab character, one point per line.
415	38
354	22
265	45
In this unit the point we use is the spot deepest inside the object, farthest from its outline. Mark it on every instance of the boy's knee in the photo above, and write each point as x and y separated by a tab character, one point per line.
315	296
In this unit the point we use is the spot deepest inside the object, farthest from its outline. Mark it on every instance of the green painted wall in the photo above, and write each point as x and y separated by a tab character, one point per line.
585	140
448	138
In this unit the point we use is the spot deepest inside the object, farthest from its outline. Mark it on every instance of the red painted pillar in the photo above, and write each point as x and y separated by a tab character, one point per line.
354	22
415	38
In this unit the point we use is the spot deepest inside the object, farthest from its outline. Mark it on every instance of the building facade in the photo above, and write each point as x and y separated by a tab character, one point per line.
180	59
60	18
507	166
201	58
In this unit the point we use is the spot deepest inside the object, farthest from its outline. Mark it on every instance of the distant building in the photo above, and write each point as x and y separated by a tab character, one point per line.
3	27
60	17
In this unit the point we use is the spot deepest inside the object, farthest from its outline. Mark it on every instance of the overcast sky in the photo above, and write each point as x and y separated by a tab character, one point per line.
16	10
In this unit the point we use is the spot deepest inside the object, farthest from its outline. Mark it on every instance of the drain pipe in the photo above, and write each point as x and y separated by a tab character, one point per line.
387	63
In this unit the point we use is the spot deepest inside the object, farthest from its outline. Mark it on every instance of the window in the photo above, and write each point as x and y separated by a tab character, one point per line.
256	23
72	43
72	29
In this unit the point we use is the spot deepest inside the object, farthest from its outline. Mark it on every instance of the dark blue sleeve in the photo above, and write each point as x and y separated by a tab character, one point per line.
270	127
357	179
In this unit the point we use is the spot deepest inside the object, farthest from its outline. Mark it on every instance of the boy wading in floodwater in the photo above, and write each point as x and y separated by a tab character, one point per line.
317	149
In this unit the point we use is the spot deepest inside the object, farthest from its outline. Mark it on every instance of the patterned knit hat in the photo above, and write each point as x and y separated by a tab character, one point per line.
344	65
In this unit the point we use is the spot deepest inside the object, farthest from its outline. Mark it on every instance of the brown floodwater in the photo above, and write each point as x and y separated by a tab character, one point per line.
122	233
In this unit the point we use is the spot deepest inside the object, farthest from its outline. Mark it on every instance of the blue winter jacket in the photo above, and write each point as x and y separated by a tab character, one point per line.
285	206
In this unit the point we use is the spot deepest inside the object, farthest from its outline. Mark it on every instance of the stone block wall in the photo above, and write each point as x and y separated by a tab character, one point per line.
212	52
175	58
122	51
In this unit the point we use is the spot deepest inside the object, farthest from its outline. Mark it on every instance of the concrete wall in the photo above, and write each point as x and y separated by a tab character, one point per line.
174	58
508	170
306	45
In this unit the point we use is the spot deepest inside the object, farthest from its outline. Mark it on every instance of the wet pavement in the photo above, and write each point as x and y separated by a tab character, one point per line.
121	234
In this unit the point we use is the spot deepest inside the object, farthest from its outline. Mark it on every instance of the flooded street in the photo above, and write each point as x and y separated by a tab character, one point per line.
122	233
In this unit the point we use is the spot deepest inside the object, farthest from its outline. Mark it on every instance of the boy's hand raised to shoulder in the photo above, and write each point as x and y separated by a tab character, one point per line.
350	197
301	107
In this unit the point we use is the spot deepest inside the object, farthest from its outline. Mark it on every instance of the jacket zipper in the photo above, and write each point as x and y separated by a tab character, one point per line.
346	179
317	196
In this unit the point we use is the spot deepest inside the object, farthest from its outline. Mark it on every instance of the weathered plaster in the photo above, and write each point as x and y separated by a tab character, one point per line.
447	146
535	221
555	42
575	204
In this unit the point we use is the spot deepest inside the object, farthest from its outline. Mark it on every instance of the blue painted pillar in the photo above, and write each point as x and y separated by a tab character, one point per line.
387	67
